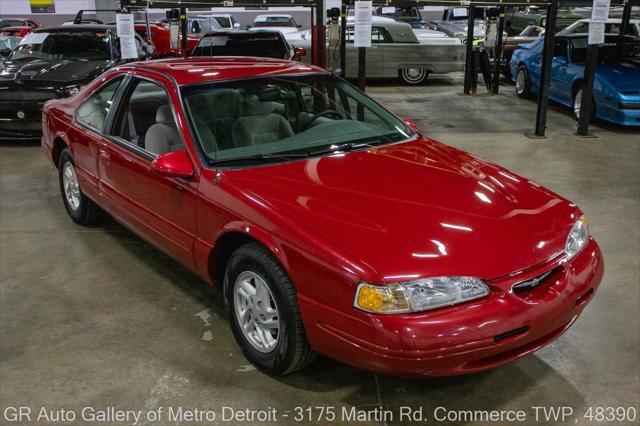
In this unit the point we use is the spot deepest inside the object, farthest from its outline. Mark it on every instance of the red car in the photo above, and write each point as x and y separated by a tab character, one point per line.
330	225
19	22
161	39
15	31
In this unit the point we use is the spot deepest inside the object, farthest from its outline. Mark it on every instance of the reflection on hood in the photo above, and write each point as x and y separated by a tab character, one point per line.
57	71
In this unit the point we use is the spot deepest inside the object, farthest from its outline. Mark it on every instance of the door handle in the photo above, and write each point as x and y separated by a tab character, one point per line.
104	155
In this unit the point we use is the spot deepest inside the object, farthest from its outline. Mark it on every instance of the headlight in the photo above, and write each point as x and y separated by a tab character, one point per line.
577	238
420	295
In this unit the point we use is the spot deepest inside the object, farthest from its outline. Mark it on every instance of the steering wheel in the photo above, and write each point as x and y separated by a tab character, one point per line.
326	113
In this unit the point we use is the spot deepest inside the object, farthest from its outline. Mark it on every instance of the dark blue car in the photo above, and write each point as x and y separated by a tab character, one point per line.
616	89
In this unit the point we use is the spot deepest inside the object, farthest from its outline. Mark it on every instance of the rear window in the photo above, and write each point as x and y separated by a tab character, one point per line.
253	44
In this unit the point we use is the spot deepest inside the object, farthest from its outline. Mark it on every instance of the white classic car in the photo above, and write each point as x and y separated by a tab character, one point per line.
397	52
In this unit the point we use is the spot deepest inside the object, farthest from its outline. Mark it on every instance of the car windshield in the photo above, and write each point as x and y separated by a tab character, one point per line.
223	21
275	21
80	45
204	25
8	43
11	23
284	118
268	45
610	51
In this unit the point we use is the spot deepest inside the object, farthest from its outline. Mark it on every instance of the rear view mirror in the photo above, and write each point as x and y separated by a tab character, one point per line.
300	52
175	164
236	25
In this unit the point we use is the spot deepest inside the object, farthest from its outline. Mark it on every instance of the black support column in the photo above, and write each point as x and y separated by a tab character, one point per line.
183	31
343	41
469	65
498	52
545	74
586	102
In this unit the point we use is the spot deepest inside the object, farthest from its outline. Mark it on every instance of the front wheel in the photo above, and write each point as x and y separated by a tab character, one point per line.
523	83
81	209
577	103
413	76
265	317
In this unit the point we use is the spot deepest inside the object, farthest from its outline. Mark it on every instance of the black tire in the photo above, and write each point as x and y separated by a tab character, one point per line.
85	212
413	76
292	351
523	90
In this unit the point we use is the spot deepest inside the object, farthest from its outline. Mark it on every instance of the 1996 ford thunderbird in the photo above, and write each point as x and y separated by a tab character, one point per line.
331	226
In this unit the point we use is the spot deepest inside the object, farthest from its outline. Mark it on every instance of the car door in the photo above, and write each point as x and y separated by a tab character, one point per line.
374	55
161	209
561	78
87	136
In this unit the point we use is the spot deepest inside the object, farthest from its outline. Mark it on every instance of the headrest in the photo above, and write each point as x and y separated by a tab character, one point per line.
164	115
253	106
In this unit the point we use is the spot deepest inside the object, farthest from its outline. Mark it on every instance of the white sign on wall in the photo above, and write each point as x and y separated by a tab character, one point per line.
362	28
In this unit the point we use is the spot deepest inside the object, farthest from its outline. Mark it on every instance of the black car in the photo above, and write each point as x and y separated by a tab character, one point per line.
51	63
265	44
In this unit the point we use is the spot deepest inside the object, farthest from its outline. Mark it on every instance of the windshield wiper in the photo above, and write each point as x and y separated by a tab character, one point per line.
344	147
265	158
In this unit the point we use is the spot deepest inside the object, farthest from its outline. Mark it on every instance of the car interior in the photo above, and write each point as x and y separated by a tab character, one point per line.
262	112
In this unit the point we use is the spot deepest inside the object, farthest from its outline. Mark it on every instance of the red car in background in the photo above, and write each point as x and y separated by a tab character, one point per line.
330	225
15	31
19	22
161	39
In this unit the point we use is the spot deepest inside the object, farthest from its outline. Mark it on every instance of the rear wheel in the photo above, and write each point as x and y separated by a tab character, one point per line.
265	317
523	83
81	209
413	76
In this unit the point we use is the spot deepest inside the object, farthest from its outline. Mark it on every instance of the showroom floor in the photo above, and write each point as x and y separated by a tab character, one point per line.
96	317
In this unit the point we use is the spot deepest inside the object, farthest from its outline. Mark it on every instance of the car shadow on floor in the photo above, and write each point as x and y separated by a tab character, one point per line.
529	381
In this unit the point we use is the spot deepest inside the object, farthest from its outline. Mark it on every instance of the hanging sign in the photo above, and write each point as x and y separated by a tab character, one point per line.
126	34
596	33
362	28
600	10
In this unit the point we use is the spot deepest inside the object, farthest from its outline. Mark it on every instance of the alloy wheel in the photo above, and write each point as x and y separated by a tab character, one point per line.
521	81
70	186
577	101
256	311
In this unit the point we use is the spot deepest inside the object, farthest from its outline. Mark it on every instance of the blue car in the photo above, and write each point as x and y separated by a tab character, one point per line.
616	90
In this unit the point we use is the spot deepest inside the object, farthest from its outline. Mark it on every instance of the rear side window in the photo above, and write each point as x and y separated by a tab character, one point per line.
93	112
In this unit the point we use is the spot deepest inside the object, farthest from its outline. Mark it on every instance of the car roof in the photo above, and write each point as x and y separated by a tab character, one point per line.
272	15
203	69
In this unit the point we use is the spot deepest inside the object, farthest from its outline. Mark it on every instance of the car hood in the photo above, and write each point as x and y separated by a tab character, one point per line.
417	209
60	71
623	74
283	30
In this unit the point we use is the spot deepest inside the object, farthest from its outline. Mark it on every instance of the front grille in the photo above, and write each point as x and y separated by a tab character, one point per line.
535	282
21	95
629	105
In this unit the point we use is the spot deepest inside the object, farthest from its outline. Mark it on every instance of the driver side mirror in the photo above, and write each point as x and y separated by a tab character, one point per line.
175	164
300	52
236	25
411	124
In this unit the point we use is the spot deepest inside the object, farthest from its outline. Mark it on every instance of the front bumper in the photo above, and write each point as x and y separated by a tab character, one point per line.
29	103
466	338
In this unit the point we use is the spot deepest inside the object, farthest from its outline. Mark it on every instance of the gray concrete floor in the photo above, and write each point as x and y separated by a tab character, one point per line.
96	317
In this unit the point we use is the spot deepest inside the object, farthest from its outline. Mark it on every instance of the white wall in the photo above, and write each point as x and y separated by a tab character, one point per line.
63	7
